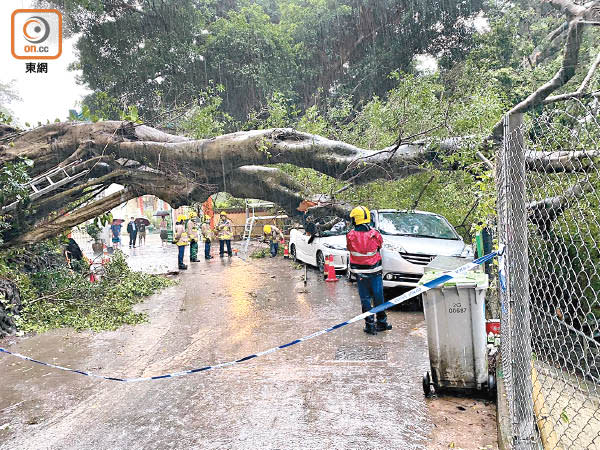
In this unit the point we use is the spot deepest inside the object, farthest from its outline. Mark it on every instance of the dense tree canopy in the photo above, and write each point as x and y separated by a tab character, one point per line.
307	50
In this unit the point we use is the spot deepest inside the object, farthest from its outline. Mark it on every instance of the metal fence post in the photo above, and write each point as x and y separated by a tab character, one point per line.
515	299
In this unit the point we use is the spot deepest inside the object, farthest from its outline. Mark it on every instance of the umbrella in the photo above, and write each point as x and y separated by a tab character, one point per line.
162	213
117	221
142	220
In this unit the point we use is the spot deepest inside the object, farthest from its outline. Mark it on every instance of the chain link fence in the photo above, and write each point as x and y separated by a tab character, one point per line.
548	182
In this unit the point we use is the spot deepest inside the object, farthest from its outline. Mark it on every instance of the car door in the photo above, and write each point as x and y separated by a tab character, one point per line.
301	247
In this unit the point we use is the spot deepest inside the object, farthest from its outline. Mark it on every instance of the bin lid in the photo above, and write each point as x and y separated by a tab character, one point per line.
441	263
468	279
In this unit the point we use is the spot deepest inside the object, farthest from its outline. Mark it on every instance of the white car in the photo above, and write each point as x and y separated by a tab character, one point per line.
411	239
330	243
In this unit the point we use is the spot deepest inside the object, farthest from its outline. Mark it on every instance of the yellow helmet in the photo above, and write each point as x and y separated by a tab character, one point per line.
193	214
267	229
181	218
360	215
223	213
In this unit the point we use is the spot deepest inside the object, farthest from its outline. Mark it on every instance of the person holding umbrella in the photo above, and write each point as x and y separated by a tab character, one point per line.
142	223
115	229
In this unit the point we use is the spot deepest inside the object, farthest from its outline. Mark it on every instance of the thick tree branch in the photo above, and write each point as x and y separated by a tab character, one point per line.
569	96
544	212
562	161
579	93
62	223
590	74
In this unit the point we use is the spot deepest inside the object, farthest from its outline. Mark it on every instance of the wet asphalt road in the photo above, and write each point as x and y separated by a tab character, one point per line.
344	390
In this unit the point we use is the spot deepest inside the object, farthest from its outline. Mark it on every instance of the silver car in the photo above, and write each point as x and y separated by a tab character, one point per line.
411	239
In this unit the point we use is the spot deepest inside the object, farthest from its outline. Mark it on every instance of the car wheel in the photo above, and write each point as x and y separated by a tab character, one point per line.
349	275
293	253
321	261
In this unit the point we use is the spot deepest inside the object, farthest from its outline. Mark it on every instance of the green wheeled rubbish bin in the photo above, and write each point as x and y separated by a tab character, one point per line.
456	337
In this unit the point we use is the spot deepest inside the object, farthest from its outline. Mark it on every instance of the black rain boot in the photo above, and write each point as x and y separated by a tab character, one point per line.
383	326
370	328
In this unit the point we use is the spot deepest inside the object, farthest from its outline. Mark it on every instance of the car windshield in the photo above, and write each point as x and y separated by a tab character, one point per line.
338	229
415	224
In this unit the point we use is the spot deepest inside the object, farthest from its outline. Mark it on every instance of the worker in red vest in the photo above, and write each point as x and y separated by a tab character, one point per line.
364	244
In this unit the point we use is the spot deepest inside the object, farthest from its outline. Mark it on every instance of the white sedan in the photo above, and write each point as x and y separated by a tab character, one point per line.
314	253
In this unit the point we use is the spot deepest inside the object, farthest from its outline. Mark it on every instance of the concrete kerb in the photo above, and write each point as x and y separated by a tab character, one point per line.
502	413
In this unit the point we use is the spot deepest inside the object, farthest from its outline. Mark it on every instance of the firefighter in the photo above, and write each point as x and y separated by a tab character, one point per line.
192	231
207	234
225	234
273	235
364	244
181	239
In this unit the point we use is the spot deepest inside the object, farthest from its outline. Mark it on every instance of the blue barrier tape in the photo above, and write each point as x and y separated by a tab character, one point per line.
400	299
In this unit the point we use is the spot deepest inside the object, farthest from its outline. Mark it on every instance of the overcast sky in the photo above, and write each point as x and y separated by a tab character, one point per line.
43	96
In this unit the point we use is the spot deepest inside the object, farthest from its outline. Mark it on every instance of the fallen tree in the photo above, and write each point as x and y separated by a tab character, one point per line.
180	171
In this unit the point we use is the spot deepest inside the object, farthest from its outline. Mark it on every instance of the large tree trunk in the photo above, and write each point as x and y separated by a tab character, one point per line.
181	171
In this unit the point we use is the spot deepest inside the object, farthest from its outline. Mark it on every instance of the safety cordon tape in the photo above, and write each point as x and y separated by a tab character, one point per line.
400	299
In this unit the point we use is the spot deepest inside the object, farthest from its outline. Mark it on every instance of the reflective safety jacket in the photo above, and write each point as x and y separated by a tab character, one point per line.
192	230
207	233
225	230
364	243
181	236
276	235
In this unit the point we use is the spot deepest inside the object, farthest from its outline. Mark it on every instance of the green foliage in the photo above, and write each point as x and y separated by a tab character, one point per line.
264	252
223	200
56	296
205	117
260	253
101	106
5	118
7	96
93	230
13	178
131	115
160	55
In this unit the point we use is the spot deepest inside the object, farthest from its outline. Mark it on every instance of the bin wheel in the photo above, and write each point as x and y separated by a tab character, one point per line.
491	384
426	384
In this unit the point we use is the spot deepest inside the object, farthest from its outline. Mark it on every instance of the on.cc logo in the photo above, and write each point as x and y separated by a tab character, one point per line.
36	29
36	34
